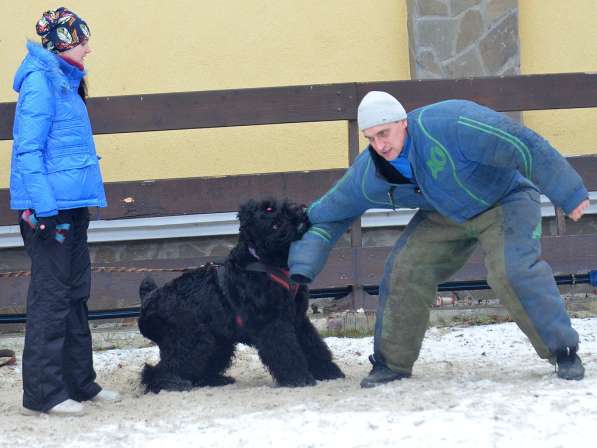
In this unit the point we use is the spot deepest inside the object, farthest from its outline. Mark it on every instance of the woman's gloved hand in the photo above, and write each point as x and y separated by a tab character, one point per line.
45	227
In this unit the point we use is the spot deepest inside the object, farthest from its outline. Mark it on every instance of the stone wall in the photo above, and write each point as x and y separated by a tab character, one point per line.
463	38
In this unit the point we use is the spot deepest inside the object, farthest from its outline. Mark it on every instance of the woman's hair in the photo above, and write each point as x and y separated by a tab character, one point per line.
83	90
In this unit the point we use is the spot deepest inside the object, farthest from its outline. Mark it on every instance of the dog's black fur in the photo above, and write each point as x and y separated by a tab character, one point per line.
198	318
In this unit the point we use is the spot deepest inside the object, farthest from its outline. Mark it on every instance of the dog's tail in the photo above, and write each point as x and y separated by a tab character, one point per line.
147	285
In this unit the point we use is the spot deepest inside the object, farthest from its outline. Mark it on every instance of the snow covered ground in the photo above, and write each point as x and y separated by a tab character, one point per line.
472	387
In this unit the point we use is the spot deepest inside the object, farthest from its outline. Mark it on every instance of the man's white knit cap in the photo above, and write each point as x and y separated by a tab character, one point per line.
379	108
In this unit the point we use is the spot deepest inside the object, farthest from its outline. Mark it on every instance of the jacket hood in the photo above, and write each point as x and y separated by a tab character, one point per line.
59	72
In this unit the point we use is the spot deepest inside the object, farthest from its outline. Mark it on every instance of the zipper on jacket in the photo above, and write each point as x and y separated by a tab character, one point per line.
391	197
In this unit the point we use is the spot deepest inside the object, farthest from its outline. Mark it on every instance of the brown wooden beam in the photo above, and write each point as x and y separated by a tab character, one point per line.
185	196
296	104
223	194
586	166
357	296
112	290
211	109
505	93
193	110
574	254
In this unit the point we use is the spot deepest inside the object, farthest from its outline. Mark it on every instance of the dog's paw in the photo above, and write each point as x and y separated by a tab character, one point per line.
220	380
298	382
328	372
171	386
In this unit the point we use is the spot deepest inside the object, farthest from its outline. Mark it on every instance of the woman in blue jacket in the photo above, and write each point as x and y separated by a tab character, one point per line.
55	177
475	175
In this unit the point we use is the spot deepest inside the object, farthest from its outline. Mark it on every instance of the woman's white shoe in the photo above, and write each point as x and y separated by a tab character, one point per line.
107	396
68	408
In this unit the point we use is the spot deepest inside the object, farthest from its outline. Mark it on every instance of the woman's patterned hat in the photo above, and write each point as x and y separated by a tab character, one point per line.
61	30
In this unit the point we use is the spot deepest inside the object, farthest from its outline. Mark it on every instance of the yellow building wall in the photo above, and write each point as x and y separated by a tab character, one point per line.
151	46
560	36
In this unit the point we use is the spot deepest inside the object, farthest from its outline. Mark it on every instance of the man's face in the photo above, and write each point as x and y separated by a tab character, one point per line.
387	139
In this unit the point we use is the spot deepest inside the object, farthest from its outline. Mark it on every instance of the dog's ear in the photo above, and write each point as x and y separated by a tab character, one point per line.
246	213
147	285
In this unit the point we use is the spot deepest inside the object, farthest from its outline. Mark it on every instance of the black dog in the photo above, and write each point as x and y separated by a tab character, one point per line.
198	318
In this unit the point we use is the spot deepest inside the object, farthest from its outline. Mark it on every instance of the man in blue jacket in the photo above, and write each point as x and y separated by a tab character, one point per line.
476	176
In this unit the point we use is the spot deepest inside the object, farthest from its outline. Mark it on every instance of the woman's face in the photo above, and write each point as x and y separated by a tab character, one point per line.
78	53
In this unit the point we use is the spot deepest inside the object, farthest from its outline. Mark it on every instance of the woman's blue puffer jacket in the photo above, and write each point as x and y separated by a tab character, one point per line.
54	165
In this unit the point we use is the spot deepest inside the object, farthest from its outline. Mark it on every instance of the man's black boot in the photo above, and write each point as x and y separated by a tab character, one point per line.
569	364
381	374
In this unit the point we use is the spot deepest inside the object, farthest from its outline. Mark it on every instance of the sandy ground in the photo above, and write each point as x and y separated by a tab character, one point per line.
472	387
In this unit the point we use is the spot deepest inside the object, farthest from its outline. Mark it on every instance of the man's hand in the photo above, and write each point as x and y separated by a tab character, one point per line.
577	213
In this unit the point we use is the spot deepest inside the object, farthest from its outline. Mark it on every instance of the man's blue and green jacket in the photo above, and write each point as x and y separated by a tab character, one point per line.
465	159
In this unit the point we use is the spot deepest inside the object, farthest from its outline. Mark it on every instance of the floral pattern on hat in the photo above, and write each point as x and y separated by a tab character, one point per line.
61	29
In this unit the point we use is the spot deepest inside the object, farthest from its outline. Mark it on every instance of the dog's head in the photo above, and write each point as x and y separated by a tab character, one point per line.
268	227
